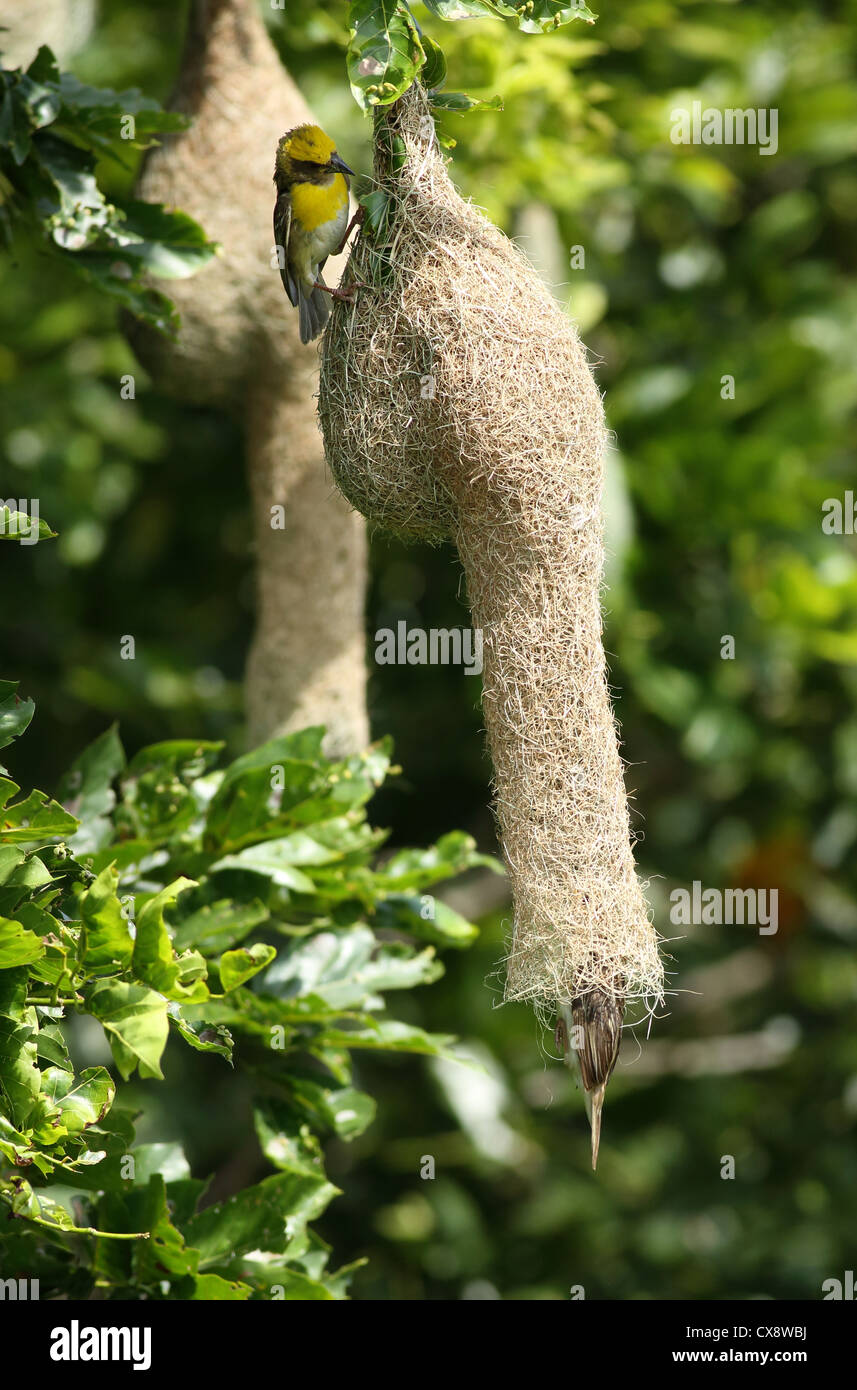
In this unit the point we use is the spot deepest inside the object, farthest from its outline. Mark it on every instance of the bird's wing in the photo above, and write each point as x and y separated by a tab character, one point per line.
599	1018
282	228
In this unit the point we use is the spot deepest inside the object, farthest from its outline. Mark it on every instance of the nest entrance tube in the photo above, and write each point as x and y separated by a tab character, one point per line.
456	401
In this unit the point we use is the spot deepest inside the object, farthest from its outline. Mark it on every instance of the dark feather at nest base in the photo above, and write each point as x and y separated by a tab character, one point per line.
589	1030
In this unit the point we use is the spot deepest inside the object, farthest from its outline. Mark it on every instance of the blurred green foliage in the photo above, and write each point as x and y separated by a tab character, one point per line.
52	127
224	907
700	263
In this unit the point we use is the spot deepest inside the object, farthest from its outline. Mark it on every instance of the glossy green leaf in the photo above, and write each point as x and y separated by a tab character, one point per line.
433	73
17	945
264	1217
214	1289
348	968
388	1035
135	1020
425	917
219	925
460	9
82	1100
236	967
460	102
286	1139
15	713
272	859
384	53
157	800
34	817
312	1105
20	1078
154	959
202	1036
533	17
21	527
106	941
87	793
166	1160
415	869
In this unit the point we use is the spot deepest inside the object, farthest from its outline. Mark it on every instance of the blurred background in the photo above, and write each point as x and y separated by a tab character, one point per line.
700	263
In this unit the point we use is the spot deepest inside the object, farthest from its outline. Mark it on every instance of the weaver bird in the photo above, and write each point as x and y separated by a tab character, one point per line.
589	1030
310	220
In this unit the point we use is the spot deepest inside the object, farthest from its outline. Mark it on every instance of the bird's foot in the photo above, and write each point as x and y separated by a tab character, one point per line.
346	295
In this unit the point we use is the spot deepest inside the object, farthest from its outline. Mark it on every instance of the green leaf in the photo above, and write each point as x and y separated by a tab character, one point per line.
51	1047
259	789
324	844
542	16
377	206
264	1217
312	1105
460	9
415	869
157	797
86	791
142	1210
384	53
20	526
426	917
20	1078
44	1211
286	1139
135	1020
163	242
166	1160
238	966
54	126
25	871
100	107
82	1100
154	960
35	817
273	860
202	1036
388	1035
219	925
44	67
348	968
533	17
460	102
213	1289
17	1149
37	920
15	713
279	1278
17	946
13	993
105	940
433	74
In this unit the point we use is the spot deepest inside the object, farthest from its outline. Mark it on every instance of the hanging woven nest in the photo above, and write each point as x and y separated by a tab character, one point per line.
456	401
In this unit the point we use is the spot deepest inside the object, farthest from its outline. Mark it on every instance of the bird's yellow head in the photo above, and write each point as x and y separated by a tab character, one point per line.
307	144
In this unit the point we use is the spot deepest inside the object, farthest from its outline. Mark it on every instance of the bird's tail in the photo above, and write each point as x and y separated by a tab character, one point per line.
594	1100
313	311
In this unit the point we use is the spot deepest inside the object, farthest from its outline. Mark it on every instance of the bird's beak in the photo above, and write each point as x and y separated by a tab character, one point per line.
337	163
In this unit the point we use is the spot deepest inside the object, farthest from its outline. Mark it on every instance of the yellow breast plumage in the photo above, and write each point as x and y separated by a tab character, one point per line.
314	204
